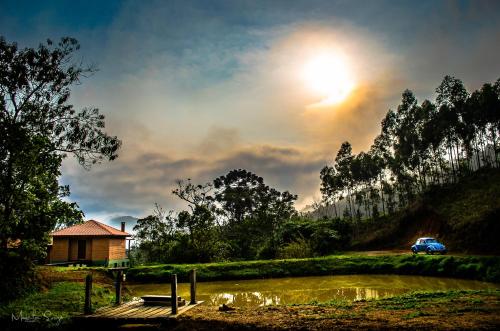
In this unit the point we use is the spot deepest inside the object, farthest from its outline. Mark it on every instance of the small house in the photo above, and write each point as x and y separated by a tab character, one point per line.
92	243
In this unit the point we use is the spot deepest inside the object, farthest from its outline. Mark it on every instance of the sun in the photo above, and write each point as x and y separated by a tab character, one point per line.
329	77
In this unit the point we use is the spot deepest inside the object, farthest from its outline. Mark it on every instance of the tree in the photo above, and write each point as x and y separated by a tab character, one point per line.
254	211
39	129
154	232
243	194
203	234
343	162
195	195
331	186
451	100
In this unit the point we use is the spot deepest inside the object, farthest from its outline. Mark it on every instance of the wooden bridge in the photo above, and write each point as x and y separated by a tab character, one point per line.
150	309
137	312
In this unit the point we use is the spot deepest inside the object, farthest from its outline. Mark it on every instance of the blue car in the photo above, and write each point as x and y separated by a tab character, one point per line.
428	245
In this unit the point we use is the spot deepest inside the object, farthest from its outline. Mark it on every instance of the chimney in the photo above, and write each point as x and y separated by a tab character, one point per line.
123	226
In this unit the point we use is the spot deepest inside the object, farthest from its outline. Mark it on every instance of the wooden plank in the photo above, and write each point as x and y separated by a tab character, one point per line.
152	311
110	309
143	310
116	313
116	309
125	312
164	312
113	311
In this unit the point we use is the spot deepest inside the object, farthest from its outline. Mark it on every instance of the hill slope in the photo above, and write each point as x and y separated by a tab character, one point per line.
466	216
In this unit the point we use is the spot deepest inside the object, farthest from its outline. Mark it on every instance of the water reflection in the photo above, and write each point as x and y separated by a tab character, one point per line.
305	289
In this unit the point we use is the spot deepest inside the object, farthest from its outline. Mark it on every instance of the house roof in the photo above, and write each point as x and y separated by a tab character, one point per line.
90	228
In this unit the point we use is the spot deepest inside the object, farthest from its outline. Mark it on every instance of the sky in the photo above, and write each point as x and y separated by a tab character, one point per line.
195	89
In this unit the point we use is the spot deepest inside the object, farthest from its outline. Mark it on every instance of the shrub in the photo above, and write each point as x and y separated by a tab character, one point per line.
295	250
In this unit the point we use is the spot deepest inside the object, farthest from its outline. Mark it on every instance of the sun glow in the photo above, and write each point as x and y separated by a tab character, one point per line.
328	76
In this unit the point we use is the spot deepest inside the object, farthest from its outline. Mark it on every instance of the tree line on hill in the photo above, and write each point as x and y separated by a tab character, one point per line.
237	216
420	145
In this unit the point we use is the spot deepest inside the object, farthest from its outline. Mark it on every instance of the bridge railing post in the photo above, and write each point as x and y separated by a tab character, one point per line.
88	291
118	287
173	286
192	280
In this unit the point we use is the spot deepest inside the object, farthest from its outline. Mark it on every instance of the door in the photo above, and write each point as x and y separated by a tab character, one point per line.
82	248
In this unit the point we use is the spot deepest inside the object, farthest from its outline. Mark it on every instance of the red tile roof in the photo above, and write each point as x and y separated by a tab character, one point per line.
90	228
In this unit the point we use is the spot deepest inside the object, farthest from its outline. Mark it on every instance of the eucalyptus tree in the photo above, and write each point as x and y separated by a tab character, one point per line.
404	146
418	145
343	162
431	140
484	105
381	153
331	186
451	100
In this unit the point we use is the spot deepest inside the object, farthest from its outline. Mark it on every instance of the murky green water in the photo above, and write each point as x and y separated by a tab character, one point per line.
305	289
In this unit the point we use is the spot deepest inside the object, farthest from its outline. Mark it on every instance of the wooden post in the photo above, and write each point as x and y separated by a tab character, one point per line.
118	287
88	291
192	280
173	284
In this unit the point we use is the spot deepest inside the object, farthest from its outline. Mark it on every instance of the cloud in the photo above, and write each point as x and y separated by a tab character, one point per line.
131	186
253	113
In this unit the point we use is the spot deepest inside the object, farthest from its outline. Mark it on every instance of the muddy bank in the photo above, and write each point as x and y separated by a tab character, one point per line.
431	310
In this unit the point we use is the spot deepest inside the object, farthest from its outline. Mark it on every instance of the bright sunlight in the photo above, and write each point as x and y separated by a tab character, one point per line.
328	75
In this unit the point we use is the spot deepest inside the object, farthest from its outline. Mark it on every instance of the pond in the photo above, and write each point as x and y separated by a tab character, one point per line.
306	289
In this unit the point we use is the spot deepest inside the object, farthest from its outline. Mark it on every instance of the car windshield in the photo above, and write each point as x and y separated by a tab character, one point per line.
428	241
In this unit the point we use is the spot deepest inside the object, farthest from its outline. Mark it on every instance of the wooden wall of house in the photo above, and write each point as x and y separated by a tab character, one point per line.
97	249
59	251
73	249
117	248
100	249
88	251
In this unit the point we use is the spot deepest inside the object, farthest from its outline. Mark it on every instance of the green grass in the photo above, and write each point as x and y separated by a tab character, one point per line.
62	300
75	268
420	299
485	268
409	305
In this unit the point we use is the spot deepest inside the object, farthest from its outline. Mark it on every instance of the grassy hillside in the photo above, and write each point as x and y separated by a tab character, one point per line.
466	216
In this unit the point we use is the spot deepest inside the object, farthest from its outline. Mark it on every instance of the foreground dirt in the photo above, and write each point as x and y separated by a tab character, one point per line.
460	311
